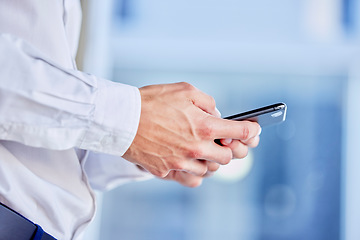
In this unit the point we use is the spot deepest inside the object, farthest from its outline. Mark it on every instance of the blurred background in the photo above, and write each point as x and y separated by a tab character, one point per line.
302	180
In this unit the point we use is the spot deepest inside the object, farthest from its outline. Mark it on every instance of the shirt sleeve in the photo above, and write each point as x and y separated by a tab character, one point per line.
45	105
106	172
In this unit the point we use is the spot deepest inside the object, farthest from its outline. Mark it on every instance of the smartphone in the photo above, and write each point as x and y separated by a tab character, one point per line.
265	116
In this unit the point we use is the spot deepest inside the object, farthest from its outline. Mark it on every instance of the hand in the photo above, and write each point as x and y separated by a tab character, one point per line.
188	179
191	180
238	150
177	128
238	147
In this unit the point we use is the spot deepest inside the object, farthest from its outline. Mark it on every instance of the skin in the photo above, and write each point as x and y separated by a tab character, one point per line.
176	133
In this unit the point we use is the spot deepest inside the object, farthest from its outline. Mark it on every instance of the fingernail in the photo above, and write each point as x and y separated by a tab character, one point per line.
218	112
260	130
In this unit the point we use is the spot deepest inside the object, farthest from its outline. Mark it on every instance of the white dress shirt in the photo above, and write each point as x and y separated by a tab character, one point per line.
61	130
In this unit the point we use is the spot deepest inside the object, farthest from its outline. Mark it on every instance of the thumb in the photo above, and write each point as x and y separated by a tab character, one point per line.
226	141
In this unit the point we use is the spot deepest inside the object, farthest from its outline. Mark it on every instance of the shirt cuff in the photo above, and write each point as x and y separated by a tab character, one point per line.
115	120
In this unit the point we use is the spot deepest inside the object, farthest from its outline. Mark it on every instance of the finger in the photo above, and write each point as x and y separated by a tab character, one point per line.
239	150
194	167
206	103
241	130
212	166
185	179
209	174
211	151
252	142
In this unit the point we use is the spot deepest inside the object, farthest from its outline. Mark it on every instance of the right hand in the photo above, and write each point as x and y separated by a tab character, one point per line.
177	129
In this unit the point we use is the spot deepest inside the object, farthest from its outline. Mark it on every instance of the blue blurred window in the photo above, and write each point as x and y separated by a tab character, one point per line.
246	54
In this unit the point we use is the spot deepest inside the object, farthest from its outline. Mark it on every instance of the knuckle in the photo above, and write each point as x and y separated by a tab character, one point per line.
206	131
187	86
195	152
161	173
212	166
245	132
250	141
227	159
